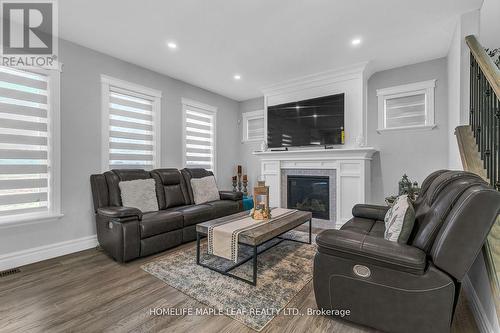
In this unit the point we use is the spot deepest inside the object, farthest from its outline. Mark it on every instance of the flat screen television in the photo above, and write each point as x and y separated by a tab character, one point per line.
312	122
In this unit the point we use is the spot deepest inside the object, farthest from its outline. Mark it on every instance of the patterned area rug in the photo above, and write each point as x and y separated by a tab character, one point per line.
282	272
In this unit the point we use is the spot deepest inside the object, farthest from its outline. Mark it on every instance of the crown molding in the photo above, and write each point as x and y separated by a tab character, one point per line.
355	71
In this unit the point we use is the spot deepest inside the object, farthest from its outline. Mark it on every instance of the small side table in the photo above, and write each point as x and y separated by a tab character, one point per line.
247	202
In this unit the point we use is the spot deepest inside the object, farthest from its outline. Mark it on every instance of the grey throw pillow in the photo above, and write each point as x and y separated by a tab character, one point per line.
204	189
140	194
399	220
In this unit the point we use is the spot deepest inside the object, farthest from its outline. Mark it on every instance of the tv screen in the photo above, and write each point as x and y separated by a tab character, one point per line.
312	122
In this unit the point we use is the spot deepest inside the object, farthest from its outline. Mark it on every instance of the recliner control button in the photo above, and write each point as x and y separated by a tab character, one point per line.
362	271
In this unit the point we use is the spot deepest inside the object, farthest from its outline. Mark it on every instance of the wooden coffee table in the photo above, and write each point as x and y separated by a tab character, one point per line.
254	238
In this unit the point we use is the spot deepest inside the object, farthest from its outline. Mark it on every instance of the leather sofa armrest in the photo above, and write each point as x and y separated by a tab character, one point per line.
119	212
230	195
371	250
374	212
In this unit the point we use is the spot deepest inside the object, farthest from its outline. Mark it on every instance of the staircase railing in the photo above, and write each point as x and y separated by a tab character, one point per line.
484	108
484	131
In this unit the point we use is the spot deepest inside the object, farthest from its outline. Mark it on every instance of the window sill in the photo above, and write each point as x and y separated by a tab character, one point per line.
407	128
252	140
25	219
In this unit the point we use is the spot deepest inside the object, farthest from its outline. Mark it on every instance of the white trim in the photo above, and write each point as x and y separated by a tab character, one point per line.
208	109
28	218
40	253
108	83
482	321
53	146
317	79
104	126
427	88
130	86
407	87
199	105
251	115
404	128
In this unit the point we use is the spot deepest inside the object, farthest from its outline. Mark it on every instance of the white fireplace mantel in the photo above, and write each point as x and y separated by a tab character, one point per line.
352	167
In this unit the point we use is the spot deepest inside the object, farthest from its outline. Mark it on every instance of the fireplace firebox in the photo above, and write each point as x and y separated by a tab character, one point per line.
309	193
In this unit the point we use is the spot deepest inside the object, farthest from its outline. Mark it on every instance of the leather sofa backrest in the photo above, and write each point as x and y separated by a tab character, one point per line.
115	176
465	229
189	173
100	195
441	195
170	188
425	187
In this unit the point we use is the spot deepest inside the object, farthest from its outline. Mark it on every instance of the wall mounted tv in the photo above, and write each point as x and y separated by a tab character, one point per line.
312	122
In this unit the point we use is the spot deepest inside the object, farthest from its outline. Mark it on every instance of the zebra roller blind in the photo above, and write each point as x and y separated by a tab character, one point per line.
25	168
199	137
132	131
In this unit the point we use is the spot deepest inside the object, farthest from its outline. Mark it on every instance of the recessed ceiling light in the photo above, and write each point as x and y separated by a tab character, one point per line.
237	77
315	116
356	41
172	45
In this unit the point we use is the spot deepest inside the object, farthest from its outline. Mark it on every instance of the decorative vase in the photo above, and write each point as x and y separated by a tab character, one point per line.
263	146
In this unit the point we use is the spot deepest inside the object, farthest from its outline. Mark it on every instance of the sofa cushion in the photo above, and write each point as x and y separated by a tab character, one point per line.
140	194
190	173
115	176
194	214
399	220
159	222
365	226
204	190
224	207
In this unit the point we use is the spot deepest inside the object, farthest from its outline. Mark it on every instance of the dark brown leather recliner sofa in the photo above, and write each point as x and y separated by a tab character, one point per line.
410	287
126	233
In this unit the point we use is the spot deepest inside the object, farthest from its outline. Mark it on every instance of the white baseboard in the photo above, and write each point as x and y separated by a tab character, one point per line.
36	254
482	321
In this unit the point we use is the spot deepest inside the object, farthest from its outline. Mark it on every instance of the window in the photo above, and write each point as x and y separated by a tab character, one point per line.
253	126
131	125
29	144
407	106
199	135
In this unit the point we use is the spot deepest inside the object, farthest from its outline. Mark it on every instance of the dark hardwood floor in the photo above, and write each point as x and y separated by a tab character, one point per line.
89	292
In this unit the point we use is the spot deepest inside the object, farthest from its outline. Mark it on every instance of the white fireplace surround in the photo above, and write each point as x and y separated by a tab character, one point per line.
352	167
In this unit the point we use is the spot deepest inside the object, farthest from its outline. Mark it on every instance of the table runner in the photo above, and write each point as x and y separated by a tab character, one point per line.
223	238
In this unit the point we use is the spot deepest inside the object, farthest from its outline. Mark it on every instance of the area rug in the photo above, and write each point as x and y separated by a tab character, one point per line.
282	272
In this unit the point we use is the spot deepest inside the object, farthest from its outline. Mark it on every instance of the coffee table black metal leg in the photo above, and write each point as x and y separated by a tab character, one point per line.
197	248
255	265
310	230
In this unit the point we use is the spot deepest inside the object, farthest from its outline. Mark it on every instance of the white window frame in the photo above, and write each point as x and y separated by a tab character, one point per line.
207	108
424	87
252	115
133	90
53	152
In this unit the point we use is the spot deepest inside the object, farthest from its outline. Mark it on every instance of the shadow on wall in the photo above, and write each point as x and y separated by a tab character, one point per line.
377	186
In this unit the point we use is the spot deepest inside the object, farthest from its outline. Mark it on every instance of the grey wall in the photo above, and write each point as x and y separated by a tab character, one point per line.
81	139
414	152
249	162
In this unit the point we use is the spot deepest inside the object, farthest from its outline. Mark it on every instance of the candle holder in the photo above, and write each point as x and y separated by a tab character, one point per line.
245	183
234	183
239	182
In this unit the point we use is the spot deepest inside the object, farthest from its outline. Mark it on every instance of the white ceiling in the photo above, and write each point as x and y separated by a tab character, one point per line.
266	41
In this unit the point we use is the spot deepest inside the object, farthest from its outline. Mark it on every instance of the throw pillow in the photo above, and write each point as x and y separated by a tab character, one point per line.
140	194
204	189
399	220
